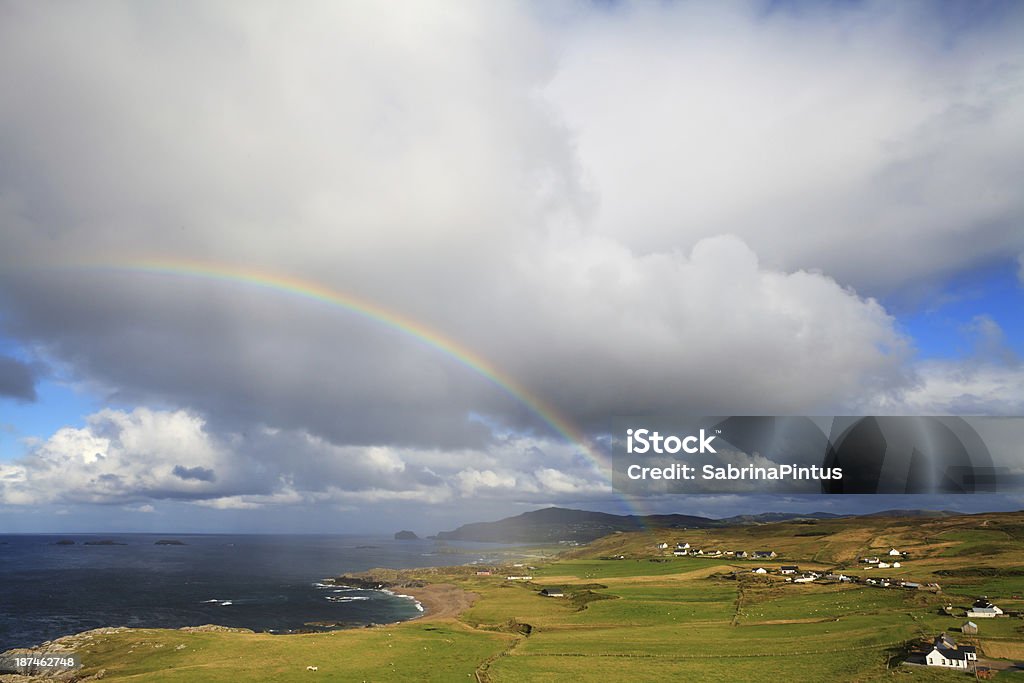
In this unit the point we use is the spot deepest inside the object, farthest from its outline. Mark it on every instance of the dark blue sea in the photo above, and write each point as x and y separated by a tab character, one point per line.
265	583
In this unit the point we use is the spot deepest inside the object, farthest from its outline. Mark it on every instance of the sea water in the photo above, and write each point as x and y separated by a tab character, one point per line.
261	582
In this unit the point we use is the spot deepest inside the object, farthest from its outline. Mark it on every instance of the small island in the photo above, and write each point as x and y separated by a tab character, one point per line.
169	541
103	542
65	541
406	536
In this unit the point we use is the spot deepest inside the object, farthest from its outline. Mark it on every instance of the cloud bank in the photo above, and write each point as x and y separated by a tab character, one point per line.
687	208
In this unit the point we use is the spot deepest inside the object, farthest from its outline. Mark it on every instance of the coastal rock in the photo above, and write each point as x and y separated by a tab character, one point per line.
104	542
358	582
406	536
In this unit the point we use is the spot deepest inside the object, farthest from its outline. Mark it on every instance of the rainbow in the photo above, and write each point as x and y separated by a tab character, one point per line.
312	291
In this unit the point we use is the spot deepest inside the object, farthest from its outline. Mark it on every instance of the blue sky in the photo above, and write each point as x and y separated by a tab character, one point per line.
940	322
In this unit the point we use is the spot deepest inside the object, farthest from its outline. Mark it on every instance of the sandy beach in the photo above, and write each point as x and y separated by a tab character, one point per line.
440	600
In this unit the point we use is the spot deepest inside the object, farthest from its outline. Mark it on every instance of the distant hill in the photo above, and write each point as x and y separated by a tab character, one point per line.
554	524
560	524
937	514
766	517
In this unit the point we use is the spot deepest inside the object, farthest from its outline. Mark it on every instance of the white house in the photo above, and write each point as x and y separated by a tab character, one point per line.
807	578
983	609
682	546
945	653
895	553
518	578
884	565
789	569
680	553
662	546
759	570
896	565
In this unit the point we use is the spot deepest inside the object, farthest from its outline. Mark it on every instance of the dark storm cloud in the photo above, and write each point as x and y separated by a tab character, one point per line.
197	473
17	379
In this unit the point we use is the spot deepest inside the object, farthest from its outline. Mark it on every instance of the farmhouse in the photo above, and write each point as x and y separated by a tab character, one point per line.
741	554
806	578
680	553
945	653
884	565
984	609
682	546
518	578
662	546
553	593
970	628
869	560
765	554
483	572
789	569
759	570
895	553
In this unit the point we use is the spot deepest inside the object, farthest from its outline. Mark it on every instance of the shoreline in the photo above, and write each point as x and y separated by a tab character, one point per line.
438	600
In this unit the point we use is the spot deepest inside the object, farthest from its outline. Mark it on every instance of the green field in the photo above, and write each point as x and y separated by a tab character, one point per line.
649	616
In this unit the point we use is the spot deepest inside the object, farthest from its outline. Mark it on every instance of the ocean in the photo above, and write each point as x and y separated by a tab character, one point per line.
262	582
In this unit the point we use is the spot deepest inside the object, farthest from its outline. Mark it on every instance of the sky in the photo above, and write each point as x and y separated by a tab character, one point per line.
344	267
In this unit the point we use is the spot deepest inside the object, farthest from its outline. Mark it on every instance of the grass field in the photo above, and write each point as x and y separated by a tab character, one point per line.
635	619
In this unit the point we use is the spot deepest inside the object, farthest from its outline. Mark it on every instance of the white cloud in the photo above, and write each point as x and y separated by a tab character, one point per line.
146	455
873	142
954	388
120	457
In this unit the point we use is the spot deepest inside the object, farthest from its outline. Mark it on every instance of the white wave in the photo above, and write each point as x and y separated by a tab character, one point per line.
346	598
415	602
